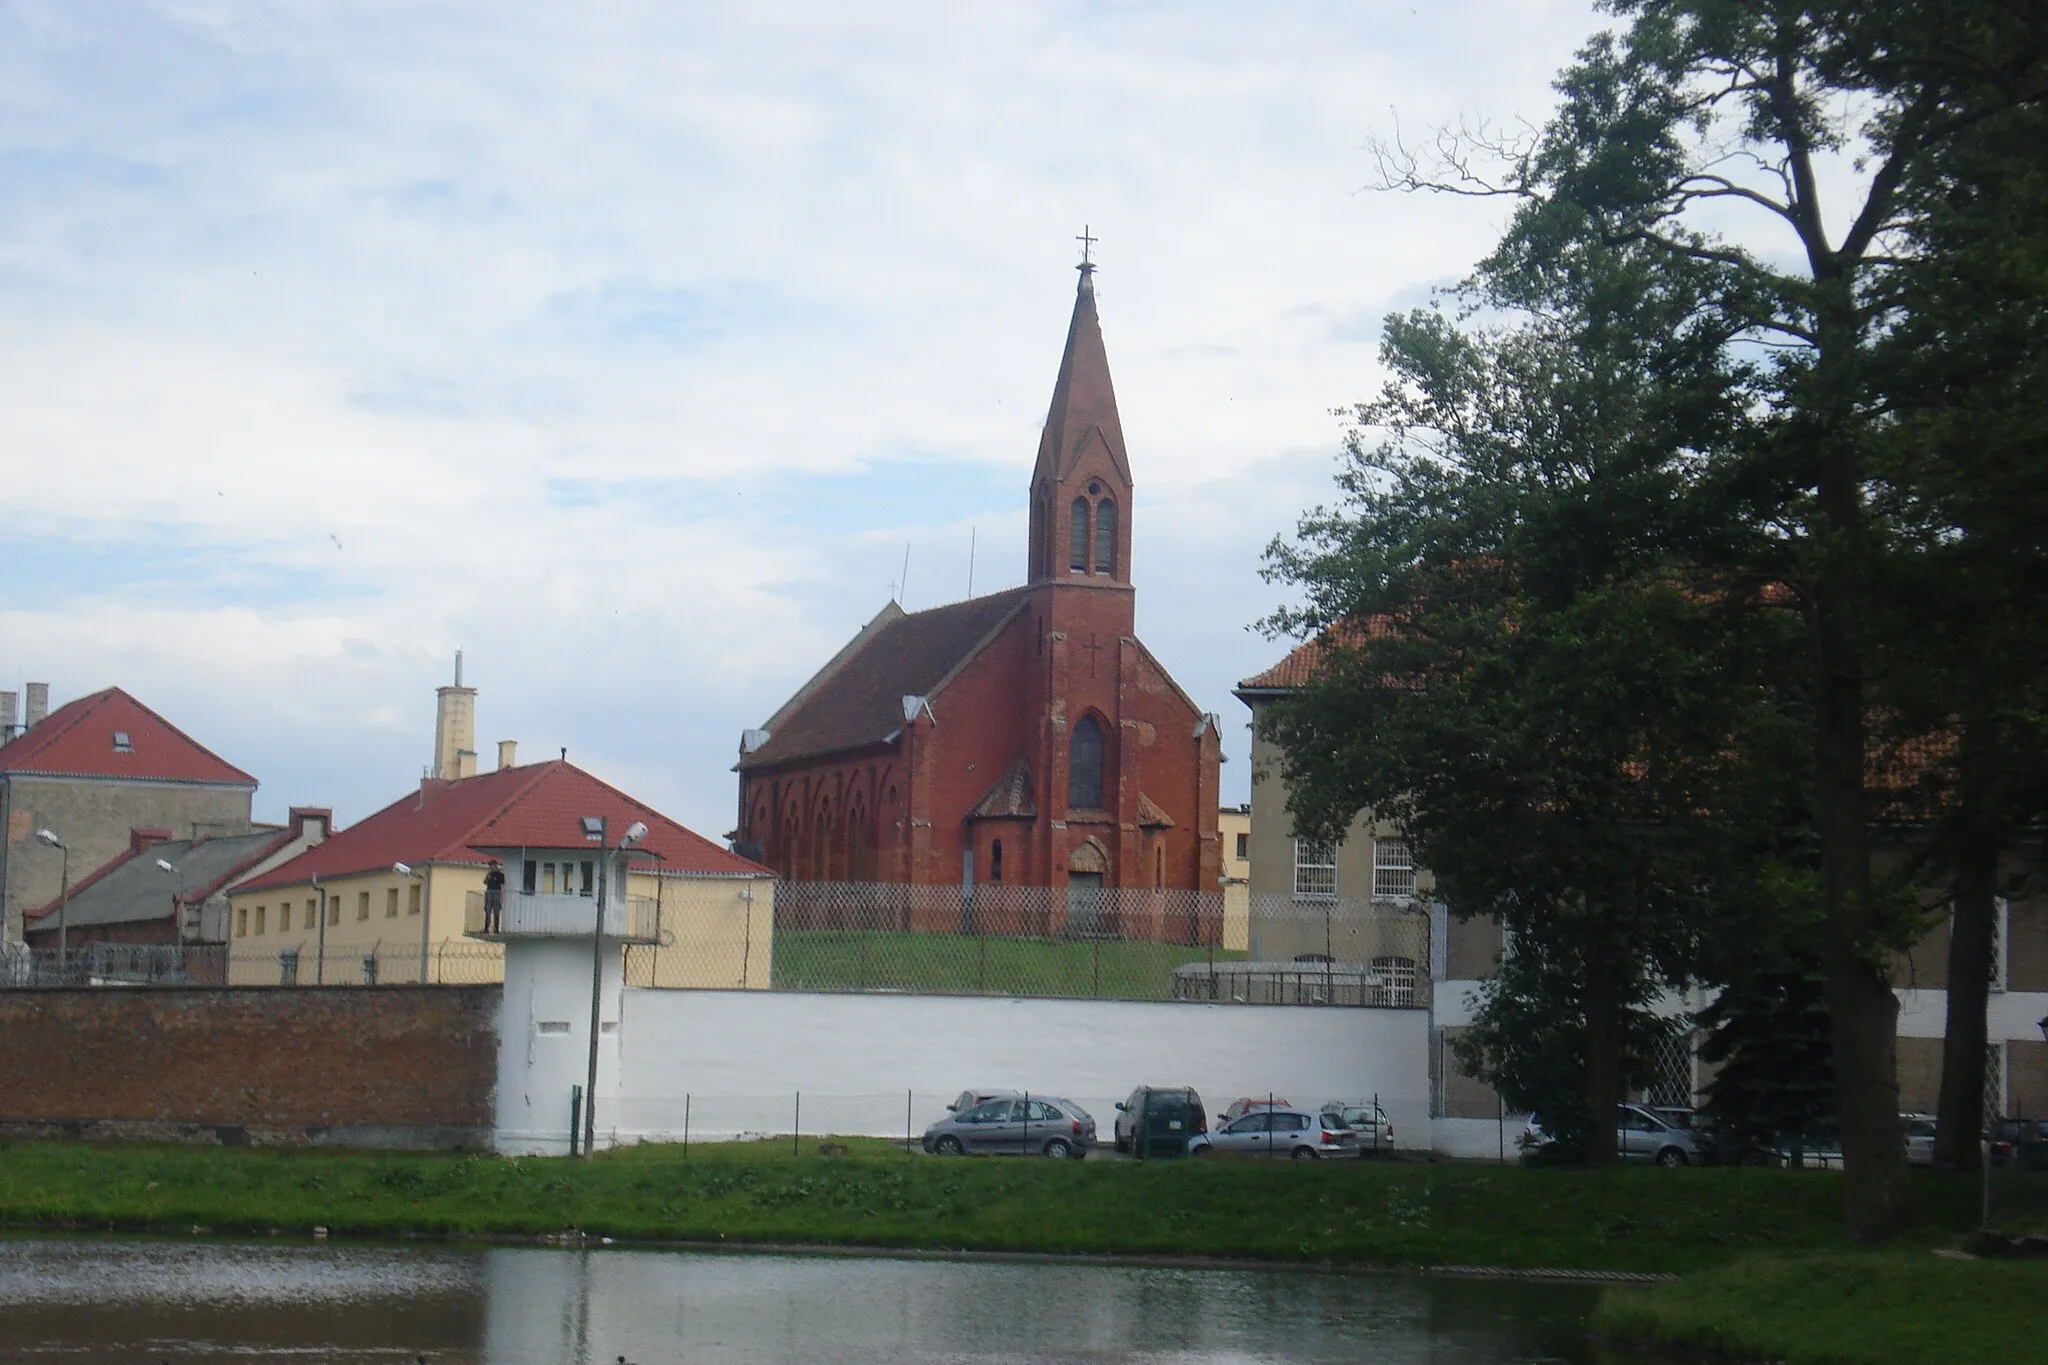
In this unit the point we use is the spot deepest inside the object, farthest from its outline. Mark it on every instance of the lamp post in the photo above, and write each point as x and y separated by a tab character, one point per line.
426	907
596	829
63	899
320	937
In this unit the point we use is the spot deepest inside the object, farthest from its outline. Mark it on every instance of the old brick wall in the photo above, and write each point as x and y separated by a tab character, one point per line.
408	1066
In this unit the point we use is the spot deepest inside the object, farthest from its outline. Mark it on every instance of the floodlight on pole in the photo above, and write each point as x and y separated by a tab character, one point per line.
170	869
63	896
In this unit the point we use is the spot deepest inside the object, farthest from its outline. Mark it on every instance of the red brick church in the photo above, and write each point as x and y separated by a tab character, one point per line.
1021	739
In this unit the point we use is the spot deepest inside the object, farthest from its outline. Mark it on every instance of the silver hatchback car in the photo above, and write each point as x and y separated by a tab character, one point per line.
1020	1125
1295	1133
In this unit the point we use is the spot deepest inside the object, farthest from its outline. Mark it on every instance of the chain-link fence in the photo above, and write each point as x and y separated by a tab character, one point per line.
456	962
1082	942
1078	942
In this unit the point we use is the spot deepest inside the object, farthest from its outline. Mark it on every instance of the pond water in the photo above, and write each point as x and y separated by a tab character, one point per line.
91	1302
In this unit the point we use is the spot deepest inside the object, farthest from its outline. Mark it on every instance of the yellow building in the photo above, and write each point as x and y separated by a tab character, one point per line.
1234	829
400	896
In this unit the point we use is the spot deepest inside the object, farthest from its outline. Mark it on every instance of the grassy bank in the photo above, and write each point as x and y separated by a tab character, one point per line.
1349	1213
1844	1308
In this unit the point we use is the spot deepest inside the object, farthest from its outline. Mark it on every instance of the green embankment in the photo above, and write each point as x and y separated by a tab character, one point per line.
1353	1212
1843	1308
824	960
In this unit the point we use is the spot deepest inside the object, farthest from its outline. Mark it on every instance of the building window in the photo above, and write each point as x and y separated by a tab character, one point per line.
1077	538
242	922
2001	921
312	919
995	861
1084	766
412	899
1105	537
362	905
284	918
1390	982
390	902
122	744
529	876
1393	870
589	878
1315	868
261	912
1244	847
1158	867
334	909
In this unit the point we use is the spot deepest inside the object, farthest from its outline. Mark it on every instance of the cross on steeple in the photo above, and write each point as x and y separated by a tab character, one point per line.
1086	242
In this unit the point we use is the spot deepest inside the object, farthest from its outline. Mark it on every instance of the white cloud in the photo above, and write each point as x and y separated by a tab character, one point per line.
626	346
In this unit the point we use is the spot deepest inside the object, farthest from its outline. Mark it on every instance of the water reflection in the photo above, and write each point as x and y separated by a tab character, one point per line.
96	1303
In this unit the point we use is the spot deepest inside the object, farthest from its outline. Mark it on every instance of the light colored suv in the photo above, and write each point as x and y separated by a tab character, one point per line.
1023	1125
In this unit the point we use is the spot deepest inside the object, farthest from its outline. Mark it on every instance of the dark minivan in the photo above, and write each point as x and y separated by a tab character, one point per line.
1160	1120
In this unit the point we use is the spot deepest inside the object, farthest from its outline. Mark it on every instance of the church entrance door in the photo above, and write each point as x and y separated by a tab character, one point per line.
1084	904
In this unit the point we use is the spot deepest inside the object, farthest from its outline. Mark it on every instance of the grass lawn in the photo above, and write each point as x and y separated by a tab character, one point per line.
829	960
1843	1308
1354	1212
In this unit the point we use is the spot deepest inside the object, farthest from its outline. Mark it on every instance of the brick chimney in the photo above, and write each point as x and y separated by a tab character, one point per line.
311	823
10	715
38	705
455	728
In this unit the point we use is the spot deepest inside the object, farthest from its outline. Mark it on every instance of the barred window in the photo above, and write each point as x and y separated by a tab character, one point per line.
1390	982
1105	538
1077	538
1393	870
1315	868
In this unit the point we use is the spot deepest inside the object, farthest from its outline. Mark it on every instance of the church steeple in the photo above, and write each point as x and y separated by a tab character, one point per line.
1081	487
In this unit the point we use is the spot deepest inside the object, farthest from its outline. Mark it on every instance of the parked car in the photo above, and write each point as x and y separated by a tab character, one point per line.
1375	1131
1920	1129
1017	1125
1244	1104
2020	1142
1286	1132
1640	1135
1170	1117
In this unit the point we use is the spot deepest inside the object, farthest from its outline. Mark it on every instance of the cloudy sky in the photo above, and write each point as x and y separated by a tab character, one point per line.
628	346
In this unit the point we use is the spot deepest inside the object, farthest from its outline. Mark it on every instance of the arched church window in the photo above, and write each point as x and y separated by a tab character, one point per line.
1084	765
1077	541
995	861
1105	537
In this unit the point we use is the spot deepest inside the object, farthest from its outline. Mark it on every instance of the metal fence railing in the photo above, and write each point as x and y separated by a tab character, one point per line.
215	964
522	914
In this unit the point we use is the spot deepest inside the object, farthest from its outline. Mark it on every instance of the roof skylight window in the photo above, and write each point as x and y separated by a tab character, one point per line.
121	743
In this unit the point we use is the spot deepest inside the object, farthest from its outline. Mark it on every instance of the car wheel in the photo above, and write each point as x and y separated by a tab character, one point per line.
1671	1156
1123	1144
948	1145
1059	1149
1306	1154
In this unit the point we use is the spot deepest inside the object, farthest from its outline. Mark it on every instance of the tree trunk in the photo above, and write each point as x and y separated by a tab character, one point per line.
1864	1011
1603	1061
1960	1111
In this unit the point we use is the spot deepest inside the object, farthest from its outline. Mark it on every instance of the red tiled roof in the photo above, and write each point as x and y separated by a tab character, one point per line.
857	698
77	740
1301	663
541	805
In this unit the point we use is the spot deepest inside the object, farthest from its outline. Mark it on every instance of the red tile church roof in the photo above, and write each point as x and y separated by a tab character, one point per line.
857	698
541	805
78	740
